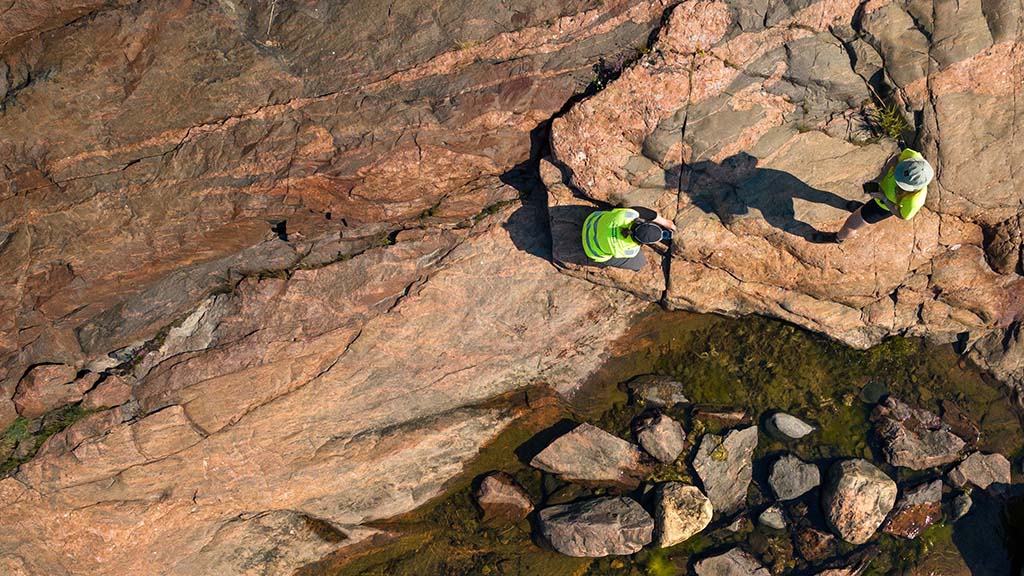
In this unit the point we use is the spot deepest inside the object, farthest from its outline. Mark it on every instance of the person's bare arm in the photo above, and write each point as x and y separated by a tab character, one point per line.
665	223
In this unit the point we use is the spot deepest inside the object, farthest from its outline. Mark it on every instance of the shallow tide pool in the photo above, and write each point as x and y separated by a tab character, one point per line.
755	365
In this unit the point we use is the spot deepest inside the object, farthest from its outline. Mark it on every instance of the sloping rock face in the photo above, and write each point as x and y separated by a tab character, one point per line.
746	124
725	467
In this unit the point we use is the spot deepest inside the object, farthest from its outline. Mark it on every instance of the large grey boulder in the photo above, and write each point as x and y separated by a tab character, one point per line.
982	470
735	562
791	477
590	454
598	527
724	465
662	437
681	511
856	499
914	438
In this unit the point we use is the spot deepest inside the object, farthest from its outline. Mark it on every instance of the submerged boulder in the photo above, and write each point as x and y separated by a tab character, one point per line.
501	497
916	510
662	437
600	527
791	477
724	465
590	454
914	438
735	562
772	517
982	470
681	511
857	497
657	391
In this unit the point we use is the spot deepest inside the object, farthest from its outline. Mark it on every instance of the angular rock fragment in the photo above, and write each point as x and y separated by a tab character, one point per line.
960	423
662	437
916	510
772	517
681	511
961	506
599	527
735	562
789	426
981	470
590	454
111	391
791	477
857	498
49	386
500	497
658	391
724	465
813	544
914	438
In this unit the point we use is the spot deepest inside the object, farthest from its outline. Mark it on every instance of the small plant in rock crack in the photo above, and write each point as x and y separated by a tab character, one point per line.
889	119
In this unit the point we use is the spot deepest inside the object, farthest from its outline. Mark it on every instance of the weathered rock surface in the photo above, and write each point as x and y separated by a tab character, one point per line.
680	512
791	477
857	497
597	528
658	391
813	544
981	470
735	562
499	496
48	386
789	426
913	437
662	437
725	467
916	510
590	454
744	125
960	506
109	392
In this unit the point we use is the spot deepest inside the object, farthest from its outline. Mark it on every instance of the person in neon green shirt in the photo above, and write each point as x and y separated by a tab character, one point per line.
901	192
614	237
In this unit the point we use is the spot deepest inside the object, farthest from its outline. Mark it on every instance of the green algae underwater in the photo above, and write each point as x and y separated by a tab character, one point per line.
753	364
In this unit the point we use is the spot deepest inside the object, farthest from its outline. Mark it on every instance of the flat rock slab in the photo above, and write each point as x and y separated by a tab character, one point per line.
857	498
595	528
916	510
914	438
590	454
662	437
724	464
681	512
735	562
791	477
982	470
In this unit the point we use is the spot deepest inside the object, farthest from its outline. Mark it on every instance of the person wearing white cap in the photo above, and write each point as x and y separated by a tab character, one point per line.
901	192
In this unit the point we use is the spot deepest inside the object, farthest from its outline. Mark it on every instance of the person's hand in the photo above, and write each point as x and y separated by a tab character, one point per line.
665	223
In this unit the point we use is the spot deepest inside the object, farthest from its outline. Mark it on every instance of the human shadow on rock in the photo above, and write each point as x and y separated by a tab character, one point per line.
732	188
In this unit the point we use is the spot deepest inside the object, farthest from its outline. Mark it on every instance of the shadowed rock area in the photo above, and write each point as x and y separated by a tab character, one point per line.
265	267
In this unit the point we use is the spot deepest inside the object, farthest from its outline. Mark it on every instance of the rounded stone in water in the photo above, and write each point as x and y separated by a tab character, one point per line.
790	426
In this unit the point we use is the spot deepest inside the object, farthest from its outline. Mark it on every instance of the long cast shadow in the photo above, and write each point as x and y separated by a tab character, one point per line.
735	186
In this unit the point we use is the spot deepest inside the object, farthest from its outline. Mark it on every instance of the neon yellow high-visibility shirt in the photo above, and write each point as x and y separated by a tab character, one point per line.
911	202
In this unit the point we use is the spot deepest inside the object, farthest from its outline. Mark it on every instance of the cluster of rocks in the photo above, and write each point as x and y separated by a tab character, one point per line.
857	497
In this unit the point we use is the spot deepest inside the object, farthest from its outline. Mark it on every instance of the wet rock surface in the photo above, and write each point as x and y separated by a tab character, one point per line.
588	453
791	477
735	562
681	511
662	437
596	528
914	438
724	465
789	426
857	497
658	391
500	497
915	510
